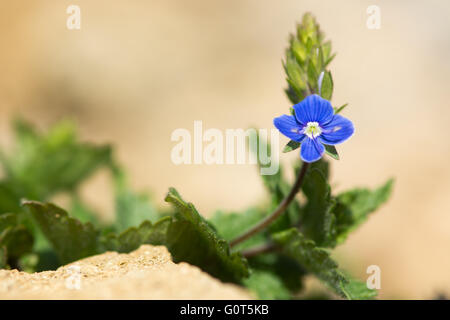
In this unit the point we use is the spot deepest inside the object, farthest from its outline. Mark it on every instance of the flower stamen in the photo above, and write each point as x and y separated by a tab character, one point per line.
312	129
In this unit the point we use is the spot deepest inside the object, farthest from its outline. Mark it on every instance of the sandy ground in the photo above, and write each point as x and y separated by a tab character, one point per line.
147	273
137	70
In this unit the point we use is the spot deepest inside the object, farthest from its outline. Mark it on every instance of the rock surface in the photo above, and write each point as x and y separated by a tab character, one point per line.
147	273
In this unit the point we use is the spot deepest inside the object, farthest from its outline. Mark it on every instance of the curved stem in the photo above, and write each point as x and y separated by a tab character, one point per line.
278	211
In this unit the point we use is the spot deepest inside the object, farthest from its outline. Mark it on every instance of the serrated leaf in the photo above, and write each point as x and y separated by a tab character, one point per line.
291	146
71	239
134	237
316	221
267	286
317	261
191	239
327	86
331	151
353	208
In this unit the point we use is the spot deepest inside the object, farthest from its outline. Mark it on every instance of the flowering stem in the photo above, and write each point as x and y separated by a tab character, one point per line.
278	211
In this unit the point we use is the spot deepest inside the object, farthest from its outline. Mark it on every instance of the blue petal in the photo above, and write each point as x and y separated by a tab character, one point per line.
314	109
289	127
337	131
311	150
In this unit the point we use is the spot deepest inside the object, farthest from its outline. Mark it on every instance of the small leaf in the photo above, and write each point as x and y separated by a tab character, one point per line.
327	86
71	239
291	146
331	151
191	239
338	110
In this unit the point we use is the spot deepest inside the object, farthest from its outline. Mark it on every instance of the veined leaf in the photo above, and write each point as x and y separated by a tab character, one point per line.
317	261
191	239
71	239
317	220
353	208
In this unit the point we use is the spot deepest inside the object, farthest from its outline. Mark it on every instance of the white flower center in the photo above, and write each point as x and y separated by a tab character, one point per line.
312	130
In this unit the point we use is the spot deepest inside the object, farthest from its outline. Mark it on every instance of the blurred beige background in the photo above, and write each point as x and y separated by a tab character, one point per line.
137	70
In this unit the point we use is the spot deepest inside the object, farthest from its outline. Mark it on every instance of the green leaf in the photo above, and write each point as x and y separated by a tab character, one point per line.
71	239
44	164
267	286
133	238
191	239
357	290
289	271
14	237
291	146
327	86
316	221
338	110
331	151
353	208
18	241
317	261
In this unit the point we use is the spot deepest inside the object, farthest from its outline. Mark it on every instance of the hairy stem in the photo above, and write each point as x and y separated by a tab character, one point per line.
278	211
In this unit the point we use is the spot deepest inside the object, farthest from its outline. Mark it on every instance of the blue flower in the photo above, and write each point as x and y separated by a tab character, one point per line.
314	125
